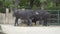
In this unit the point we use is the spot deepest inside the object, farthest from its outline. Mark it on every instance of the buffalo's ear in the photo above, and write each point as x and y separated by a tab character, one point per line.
36	13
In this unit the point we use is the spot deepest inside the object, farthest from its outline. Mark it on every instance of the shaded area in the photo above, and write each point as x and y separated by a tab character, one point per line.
1	32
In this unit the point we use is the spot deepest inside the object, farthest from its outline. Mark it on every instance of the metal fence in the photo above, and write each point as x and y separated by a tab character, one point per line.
7	18
55	21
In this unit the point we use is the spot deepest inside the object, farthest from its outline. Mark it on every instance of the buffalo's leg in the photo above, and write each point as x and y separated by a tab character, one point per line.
29	22
45	22
35	22
16	21
39	22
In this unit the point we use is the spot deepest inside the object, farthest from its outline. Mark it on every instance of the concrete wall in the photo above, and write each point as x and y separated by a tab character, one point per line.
6	18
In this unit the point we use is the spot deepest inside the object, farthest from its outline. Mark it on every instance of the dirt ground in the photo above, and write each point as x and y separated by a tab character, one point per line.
10	29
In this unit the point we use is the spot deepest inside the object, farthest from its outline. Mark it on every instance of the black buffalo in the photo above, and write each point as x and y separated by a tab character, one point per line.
31	15
35	19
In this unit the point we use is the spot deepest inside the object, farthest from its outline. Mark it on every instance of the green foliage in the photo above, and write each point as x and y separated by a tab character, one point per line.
1	4
48	4
42	1
8	3
2	10
24	4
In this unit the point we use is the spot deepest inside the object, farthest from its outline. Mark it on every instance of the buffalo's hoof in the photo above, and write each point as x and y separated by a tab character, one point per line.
29	25
45	25
14	24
